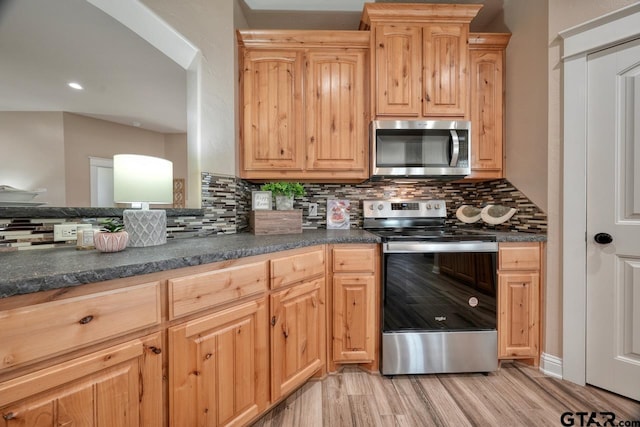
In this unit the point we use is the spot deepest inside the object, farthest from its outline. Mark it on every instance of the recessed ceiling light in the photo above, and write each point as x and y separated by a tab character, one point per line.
75	85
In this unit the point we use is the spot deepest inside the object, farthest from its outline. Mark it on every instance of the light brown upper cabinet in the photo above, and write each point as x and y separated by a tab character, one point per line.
305	98
420	59
272	94
487	59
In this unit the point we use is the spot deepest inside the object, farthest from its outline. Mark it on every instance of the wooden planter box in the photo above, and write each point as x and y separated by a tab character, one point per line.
263	222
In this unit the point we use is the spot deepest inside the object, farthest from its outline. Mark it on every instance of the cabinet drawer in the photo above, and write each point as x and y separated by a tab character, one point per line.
41	330
189	294
294	268
353	259
519	256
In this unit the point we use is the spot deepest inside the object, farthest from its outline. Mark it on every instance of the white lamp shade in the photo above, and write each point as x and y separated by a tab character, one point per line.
143	179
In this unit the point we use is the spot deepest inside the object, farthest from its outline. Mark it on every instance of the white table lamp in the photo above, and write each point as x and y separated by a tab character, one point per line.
142	180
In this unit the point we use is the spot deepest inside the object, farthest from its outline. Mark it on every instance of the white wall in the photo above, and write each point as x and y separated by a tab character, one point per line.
563	14
209	25
526	99
86	136
32	147
51	150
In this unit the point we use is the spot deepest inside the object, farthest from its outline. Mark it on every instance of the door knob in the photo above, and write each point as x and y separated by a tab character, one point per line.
603	238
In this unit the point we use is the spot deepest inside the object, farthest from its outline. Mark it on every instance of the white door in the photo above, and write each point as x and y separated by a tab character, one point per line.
613	207
101	174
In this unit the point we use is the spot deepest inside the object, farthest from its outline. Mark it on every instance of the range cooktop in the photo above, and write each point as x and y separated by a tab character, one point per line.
415	220
440	235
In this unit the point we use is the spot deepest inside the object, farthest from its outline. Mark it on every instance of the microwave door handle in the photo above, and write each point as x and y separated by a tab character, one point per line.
456	148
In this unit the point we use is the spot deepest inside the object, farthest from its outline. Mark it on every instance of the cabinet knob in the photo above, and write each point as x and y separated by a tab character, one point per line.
603	238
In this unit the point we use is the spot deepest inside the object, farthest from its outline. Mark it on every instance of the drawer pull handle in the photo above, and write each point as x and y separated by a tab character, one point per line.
155	350
86	320
9	416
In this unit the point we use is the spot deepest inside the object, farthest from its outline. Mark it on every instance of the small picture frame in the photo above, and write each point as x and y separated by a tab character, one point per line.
261	200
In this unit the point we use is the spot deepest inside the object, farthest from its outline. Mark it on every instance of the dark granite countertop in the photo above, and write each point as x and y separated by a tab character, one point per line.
511	236
508	236
24	272
87	212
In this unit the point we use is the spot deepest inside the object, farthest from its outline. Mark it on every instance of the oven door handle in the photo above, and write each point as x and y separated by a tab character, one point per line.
435	247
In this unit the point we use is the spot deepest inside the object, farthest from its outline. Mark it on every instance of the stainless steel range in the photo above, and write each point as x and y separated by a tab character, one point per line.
438	290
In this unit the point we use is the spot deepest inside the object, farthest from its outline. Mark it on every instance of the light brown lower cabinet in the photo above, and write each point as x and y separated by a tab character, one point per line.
218	367
519	300
118	386
354	325
297	335
209	345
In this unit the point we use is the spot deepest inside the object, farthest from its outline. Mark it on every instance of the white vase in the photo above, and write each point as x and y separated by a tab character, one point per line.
110	242
284	203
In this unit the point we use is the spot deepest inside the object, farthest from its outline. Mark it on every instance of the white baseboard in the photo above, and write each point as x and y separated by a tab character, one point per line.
551	365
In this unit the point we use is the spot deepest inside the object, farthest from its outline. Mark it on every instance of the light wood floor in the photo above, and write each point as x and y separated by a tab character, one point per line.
515	395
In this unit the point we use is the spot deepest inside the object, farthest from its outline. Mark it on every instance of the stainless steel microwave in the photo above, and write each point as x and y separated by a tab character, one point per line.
420	148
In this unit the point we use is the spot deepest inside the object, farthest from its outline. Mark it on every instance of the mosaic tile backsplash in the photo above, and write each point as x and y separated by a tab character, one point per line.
528	218
227	202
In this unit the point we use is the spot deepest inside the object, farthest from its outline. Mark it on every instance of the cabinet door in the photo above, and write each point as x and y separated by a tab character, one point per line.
272	111
398	65
120	386
487	97
518	318
218	367
354	325
296	336
336	119
445	70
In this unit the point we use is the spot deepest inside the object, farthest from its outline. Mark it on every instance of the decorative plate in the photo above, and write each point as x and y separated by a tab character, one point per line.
497	214
468	214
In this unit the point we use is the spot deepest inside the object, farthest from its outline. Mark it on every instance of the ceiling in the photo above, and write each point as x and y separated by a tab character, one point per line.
46	44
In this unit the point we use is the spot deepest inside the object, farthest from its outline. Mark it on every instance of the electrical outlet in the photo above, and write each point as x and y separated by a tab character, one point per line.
64	232
313	209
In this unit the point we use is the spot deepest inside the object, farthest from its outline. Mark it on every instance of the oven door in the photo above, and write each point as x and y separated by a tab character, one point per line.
439	307
439	286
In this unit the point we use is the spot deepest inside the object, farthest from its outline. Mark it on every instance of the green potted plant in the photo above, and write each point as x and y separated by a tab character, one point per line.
284	193
111	237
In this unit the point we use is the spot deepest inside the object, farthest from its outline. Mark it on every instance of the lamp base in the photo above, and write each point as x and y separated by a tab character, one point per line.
145	227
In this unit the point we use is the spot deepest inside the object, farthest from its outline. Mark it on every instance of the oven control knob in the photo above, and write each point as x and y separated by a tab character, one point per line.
437	206
371	207
380	206
429	207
